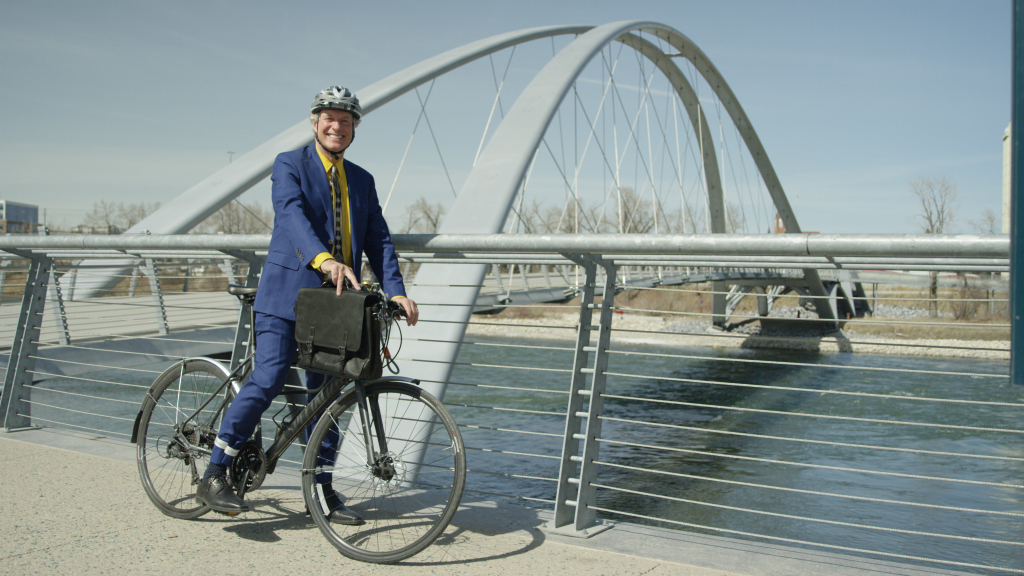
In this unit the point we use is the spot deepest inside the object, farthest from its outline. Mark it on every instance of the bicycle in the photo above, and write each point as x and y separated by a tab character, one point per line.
401	463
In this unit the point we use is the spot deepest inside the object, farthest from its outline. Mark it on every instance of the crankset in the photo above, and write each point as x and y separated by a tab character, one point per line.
248	469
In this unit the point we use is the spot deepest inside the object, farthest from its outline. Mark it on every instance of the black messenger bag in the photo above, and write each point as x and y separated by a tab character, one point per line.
339	335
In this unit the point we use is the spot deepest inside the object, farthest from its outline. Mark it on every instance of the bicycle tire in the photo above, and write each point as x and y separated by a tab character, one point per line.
170	474
403	514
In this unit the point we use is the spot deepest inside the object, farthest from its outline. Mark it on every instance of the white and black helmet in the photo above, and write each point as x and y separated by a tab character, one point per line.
337	98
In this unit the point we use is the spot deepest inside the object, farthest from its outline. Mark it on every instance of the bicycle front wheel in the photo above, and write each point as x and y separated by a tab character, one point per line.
178	424
407	494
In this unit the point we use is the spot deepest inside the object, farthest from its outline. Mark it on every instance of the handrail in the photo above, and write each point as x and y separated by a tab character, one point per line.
824	245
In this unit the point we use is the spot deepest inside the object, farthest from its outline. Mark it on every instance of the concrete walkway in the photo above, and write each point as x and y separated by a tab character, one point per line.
72	504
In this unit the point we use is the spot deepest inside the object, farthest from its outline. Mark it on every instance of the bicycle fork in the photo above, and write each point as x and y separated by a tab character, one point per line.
381	463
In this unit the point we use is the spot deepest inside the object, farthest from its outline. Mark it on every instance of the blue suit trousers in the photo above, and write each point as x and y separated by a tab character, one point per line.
275	351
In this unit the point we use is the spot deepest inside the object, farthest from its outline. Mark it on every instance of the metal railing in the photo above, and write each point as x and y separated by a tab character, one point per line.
891	434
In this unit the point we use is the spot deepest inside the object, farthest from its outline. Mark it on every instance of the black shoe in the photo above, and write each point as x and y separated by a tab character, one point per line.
215	493
339	513
346	516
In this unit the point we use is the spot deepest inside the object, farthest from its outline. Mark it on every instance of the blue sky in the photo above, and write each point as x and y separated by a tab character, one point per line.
137	101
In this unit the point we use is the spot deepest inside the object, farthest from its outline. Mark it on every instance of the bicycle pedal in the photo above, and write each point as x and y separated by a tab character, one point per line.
227	513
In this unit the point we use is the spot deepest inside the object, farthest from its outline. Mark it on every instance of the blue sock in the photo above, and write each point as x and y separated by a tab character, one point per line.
214	471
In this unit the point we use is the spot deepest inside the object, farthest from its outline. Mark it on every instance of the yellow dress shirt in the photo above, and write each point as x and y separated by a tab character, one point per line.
346	216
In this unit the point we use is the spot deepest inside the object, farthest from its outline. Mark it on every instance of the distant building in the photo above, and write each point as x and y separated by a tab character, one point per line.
18	218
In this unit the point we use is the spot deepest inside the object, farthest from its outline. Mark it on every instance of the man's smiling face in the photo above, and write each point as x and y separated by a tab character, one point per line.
335	130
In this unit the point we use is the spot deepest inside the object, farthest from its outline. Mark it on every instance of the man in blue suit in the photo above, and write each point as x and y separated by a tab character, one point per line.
326	215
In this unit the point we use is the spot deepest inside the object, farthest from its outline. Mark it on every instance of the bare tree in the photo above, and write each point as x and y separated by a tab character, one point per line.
103	215
636	215
116	218
671	222
557	220
989	223
422	217
734	220
965	305
129	215
526	218
938	198
237	217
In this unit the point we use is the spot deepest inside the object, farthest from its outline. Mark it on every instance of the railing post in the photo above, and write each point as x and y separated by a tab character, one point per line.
158	295
60	317
3	276
21	364
578	470
228	268
134	281
719	296
73	274
244	325
523	269
188	275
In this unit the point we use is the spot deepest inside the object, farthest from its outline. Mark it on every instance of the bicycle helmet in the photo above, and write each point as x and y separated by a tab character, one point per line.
337	98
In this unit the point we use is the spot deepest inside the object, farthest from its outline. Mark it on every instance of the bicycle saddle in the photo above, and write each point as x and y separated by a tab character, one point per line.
237	290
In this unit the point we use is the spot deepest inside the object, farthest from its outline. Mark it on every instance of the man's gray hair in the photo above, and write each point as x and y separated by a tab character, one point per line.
314	116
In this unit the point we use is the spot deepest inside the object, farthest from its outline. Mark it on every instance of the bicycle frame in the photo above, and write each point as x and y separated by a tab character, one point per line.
328	394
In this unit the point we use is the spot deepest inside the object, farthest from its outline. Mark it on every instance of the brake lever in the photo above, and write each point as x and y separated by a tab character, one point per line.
396	310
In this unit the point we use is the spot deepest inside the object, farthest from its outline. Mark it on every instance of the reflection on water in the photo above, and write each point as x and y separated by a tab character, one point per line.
737	469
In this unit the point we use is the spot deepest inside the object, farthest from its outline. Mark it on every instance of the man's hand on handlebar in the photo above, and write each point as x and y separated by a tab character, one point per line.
408	309
338	272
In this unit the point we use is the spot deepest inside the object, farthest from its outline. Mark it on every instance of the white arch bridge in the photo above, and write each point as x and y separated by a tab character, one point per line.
653	90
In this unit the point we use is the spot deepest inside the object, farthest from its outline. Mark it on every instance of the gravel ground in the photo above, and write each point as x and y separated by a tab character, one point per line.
905	312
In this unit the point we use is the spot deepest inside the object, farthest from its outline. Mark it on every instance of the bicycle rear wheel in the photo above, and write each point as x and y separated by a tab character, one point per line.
176	433
408	495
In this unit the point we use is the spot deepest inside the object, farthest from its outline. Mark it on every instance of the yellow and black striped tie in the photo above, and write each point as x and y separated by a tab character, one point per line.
338	216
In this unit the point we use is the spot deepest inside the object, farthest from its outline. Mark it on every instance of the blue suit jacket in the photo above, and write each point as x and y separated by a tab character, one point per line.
304	227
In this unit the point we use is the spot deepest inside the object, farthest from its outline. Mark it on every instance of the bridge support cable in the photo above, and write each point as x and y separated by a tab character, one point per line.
430	128
408	145
712	174
496	105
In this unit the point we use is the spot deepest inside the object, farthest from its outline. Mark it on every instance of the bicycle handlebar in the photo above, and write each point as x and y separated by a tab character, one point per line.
396	309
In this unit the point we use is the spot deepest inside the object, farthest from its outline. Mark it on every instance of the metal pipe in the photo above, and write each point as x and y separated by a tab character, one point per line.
844	245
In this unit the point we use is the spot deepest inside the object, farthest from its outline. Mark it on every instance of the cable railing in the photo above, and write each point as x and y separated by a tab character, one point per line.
851	420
